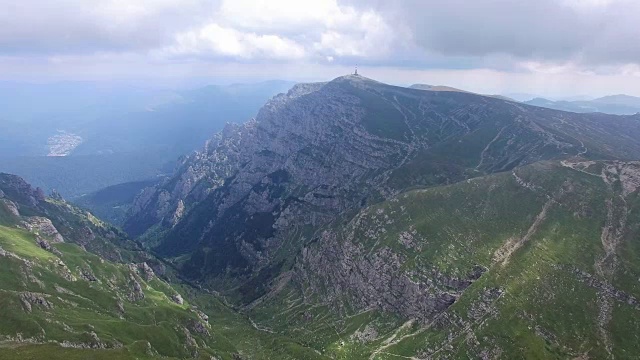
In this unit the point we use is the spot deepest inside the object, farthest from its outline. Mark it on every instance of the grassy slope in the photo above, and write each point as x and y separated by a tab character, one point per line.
81	307
544	309
148	328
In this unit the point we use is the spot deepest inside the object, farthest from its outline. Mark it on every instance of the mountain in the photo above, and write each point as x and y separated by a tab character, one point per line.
371	221
106	135
35	113
237	213
74	287
614	104
623	100
107	118
181	125
522	97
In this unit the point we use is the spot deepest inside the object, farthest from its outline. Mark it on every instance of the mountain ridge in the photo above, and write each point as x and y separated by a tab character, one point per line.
328	148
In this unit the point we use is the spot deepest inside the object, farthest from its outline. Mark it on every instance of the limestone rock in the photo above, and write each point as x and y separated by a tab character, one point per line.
44	227
199	327
136	293
87	275
147	271
178	213
177	298
30	299
11	206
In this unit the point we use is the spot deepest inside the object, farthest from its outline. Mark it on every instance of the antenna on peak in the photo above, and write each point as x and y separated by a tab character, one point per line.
356	72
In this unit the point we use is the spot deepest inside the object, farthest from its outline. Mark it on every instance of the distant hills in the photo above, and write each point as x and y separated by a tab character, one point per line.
613	104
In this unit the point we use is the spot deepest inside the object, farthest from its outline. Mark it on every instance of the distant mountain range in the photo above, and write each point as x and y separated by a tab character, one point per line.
613	104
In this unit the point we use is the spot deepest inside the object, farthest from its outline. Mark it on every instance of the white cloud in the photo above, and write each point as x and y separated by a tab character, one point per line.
285	16
215	40
320	30
369	36
588	4
80	26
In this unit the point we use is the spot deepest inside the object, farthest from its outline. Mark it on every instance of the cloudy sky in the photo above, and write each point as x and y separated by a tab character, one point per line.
547	47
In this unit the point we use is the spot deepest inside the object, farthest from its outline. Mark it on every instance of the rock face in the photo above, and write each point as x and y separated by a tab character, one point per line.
45	245
42	226
11	207
20	191
146	271
30	299
87	275
136	293
177	298
142	269
343	269
177	215
257	192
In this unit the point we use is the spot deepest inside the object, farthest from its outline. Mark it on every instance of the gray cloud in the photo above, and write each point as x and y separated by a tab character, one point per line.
80	26
539	36
585	31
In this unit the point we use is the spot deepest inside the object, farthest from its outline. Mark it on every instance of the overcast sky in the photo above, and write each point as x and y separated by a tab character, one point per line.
547	47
